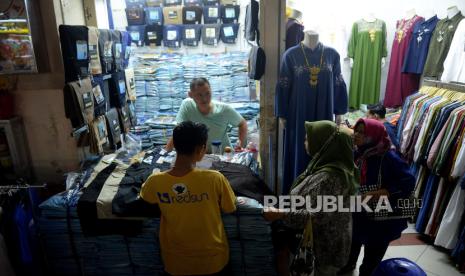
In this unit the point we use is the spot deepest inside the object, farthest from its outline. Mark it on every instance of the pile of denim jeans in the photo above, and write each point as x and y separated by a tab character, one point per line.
69	252
163	81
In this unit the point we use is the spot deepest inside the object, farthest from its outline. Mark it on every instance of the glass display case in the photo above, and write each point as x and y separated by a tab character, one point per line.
18	28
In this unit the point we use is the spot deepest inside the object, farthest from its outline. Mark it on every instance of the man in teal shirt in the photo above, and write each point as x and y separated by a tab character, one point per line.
217	116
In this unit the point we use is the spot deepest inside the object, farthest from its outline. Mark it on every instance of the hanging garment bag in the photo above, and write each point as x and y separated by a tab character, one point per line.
75	51
168	3
137	34
125	121
191	35
79	102
135	16
135	3
117	49
154	16
98	135
130	84
172	15
210	34
154	3
114	129
172	36
117	89
192	15
99	98
95	65
229	33
105	45
211	15
153	35
230	13
126	41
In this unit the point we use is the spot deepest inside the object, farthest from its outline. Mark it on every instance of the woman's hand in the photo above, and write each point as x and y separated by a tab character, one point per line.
272	214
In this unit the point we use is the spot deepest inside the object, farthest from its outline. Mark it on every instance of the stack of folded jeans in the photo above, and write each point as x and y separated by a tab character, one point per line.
163	80
69	252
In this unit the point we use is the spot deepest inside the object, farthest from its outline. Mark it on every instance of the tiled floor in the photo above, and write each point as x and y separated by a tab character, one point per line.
432	260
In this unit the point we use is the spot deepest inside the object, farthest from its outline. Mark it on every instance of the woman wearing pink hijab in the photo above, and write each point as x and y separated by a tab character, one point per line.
382	173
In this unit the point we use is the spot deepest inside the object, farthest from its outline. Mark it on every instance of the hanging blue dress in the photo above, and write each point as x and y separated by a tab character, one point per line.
297	101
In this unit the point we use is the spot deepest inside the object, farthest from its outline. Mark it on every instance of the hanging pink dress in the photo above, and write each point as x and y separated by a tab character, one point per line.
401	85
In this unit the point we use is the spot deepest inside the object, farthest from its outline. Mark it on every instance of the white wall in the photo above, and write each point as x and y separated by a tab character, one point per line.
344	13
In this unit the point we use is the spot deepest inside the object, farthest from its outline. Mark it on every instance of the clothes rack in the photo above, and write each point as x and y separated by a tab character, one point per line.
456	86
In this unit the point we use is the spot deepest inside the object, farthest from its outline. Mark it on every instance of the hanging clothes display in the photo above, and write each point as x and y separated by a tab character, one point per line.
419	45
294	32
310	88
440	44
400	85
367	46
454	64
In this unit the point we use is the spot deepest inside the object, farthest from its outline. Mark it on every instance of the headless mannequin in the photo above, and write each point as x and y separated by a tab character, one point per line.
452	11
428	14
369	18
410	14
297	15
311	39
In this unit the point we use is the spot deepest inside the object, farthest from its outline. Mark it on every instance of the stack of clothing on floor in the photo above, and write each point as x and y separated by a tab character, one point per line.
431	135
100	227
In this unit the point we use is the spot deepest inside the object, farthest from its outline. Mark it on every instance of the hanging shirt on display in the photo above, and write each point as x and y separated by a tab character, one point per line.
211	15
454	65
172	15
229	33
154	16
294	33
310	88
191	35
137	34
153	35
192	15
172	36
400	85
418	47
230	13
367	46
440	44
211	34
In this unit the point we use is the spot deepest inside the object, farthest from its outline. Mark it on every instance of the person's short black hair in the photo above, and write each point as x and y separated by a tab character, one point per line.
196	82
189	135
377	109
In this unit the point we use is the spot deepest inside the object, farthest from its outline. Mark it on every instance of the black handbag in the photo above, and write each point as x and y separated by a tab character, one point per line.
401	207
303	262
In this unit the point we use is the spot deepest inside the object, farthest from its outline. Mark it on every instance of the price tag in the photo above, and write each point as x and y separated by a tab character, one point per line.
122	87
190	15
228	31
153	15
230	13
81	50
210	32
172	35
212	12
190	33
135	36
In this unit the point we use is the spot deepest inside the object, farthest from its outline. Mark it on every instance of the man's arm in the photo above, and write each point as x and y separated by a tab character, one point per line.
242	133
180	117
169	145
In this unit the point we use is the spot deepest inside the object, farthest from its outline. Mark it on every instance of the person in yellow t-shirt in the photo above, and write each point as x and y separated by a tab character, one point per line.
192	236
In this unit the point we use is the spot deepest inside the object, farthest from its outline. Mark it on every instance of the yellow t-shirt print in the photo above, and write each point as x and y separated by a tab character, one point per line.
192	235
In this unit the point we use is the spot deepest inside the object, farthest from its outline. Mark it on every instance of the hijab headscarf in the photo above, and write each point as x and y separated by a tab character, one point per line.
377	143
332	152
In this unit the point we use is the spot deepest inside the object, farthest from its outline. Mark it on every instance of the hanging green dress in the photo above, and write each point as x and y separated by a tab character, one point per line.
367	46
